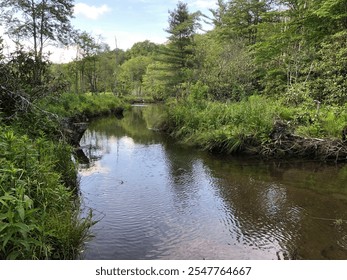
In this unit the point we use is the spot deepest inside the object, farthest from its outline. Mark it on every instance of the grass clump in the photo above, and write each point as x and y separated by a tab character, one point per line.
224	126
71	105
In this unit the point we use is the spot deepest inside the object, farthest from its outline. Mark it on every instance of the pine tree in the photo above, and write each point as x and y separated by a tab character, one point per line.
179	51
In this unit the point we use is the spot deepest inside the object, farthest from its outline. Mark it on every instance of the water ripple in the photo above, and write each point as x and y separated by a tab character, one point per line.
156	200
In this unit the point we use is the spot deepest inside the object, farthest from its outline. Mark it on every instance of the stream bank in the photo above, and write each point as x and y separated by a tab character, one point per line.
259	126
38	177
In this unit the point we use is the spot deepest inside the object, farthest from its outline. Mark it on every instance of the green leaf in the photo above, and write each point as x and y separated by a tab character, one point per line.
23	227
13	255
25	244
7	238
21	212
2	202
3	217
4	226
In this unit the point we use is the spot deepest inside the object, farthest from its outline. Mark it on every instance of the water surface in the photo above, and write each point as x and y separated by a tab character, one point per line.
156	199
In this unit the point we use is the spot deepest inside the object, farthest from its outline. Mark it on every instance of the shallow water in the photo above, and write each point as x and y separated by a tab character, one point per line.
157	199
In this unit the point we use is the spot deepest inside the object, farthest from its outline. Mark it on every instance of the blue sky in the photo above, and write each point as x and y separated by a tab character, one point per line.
130	21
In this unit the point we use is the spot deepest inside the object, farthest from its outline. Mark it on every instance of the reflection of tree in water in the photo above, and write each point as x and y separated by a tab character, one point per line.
180	166
95	141
140	124
81	157
94	145
273	214
180	161
268	206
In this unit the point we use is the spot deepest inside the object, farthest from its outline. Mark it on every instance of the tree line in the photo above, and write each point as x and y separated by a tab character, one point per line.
295	50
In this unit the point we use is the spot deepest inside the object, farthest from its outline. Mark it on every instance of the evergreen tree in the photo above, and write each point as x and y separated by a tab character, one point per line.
179	51
219	13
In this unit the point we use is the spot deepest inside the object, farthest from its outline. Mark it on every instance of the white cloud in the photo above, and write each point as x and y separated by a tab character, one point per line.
91	12
62	55
203	4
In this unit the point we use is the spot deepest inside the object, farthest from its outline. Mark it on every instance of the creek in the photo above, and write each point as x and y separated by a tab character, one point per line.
157	199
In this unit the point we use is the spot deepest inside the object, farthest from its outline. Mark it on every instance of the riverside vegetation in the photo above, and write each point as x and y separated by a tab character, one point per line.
261	126
40	215
267	79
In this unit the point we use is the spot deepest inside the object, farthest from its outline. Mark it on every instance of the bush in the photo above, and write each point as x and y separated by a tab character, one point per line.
230	127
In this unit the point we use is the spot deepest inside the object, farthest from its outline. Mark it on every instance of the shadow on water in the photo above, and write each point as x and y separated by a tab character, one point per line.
160	200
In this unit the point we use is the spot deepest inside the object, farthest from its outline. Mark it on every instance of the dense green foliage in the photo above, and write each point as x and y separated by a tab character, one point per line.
40	213
222	126
293	50
39	209
39	217
73	105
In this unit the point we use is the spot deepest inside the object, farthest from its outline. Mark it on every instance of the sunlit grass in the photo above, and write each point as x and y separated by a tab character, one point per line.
69	104
226	127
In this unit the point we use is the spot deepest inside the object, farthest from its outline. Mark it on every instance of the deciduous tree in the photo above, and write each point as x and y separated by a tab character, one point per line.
39	22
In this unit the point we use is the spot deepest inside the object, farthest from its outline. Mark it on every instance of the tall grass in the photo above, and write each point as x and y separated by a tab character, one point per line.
68	105
230	127
38	213
222	126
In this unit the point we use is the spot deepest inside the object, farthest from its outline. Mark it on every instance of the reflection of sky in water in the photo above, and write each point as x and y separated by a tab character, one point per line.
96	168
274	198
176	211
162	201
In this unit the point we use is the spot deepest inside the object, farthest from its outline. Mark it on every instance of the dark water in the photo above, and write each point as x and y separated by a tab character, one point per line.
157	199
